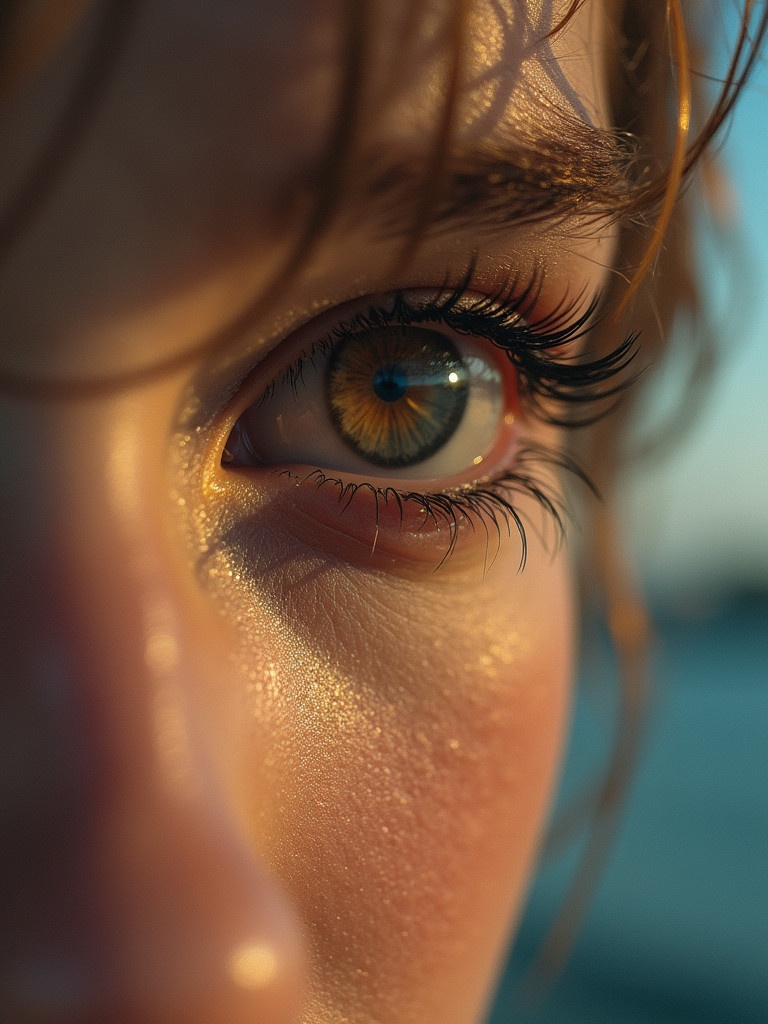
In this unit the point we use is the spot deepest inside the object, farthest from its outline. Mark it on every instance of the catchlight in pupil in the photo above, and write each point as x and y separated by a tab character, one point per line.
396	394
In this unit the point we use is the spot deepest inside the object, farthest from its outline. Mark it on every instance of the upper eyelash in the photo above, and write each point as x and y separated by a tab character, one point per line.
555	389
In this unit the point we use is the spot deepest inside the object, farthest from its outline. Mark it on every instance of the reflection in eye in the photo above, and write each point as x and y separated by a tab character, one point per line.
412	402
398	395
434	404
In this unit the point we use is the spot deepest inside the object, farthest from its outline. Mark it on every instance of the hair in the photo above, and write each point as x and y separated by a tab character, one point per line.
662	131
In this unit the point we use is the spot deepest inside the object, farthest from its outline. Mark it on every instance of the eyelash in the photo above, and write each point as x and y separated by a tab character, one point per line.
557	392
485	503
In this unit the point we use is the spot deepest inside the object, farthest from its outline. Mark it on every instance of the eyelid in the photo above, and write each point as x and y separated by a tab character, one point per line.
221	388
535	336
249	388
518	315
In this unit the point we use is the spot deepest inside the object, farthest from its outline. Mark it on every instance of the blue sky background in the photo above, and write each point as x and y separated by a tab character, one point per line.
699	518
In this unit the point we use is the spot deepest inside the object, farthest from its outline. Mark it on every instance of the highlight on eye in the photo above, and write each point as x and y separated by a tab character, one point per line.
434	405
397	395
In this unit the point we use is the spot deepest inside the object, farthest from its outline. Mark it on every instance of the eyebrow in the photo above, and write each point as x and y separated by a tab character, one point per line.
577	171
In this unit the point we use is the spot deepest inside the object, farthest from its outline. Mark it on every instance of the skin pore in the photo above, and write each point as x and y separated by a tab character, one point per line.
271	762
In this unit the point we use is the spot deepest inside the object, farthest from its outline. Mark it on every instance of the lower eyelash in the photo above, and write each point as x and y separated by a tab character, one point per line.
488	504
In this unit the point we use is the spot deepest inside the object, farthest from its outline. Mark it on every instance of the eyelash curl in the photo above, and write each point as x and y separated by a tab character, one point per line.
557	390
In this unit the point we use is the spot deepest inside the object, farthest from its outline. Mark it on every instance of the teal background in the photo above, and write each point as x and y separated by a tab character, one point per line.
678	930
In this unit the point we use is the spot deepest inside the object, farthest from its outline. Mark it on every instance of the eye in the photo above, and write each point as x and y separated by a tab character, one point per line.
401	402
392	431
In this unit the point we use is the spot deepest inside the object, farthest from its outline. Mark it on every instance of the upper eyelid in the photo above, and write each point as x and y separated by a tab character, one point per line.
216	391
273	364
546	380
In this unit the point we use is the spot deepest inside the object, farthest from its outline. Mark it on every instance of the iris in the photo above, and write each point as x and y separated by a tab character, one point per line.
397	394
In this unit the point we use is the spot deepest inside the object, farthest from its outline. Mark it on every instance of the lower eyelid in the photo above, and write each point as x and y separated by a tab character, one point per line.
373	528
410	528
406	533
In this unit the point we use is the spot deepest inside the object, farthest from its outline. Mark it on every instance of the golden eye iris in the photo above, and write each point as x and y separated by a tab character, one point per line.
396	394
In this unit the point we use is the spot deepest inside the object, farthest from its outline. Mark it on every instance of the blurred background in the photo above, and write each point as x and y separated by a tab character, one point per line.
678	930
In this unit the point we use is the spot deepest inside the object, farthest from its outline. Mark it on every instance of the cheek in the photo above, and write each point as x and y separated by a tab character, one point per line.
402	744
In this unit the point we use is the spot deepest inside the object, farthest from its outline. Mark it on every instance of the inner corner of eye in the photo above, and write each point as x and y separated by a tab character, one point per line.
238	449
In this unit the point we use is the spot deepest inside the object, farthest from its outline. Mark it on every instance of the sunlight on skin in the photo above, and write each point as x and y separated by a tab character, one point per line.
309	774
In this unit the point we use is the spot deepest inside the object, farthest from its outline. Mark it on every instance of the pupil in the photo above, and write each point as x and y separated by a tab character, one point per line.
390	383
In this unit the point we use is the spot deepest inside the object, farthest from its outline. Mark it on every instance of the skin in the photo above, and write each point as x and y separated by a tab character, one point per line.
255	769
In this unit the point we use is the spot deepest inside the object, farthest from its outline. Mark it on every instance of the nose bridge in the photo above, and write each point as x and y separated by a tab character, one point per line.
102	606
120	629
137	894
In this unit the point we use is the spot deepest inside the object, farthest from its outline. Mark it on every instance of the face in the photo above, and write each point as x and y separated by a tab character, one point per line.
282	711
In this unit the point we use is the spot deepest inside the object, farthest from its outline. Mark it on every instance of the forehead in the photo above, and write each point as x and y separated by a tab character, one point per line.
212	117
279	66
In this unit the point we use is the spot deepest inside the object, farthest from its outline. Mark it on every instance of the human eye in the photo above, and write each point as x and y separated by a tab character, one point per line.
385	400
419	420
